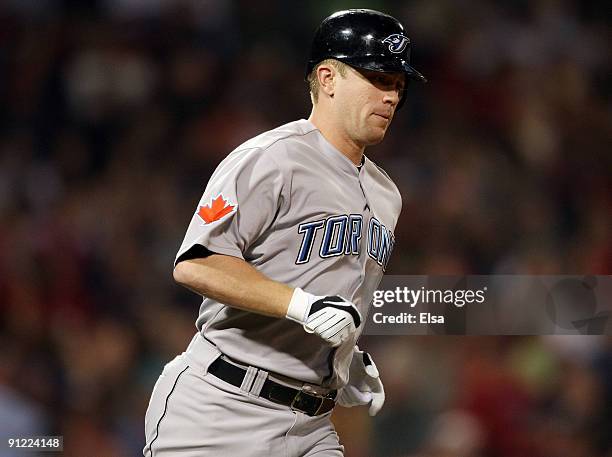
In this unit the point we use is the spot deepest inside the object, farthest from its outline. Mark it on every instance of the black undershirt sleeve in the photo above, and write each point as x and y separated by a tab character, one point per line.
197	251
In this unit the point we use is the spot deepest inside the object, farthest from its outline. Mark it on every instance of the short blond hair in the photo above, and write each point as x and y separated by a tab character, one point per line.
313	81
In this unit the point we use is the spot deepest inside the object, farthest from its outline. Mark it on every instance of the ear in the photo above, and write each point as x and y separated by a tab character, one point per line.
327	77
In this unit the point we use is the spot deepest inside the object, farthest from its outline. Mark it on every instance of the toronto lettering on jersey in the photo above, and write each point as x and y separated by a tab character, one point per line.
341	235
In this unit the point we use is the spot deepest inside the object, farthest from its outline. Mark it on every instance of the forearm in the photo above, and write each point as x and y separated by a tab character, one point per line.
235	283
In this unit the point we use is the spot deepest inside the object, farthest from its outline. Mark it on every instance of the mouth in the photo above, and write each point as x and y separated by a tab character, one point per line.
386	117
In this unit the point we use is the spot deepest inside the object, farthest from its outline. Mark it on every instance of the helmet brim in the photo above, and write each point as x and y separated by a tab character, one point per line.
386	65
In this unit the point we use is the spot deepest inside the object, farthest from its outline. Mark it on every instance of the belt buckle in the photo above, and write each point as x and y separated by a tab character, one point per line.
301	401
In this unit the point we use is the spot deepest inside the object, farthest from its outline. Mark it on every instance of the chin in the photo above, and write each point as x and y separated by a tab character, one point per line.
375	137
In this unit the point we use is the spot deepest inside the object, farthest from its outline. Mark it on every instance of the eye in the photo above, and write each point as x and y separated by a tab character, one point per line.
382	80
386	81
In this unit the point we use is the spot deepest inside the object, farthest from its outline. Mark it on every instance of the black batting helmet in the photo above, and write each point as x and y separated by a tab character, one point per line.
365	39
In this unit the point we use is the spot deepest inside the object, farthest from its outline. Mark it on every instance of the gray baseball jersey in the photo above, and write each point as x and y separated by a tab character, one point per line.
294	207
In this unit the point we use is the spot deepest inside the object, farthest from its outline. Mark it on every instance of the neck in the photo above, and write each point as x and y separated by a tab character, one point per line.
337	136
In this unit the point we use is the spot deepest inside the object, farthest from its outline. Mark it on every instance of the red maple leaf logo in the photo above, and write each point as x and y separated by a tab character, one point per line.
219	208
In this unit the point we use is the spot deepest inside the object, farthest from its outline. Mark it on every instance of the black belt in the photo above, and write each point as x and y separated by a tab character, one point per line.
297	400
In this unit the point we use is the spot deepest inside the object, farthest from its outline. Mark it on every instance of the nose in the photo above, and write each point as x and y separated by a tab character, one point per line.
391	97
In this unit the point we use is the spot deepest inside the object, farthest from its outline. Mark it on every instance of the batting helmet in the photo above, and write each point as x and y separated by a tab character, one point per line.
365	39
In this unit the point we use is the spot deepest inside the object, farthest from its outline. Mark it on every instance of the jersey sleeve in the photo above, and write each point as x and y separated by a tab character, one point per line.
239	204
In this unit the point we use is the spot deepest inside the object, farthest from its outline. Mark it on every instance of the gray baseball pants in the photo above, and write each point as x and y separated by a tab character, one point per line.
193	413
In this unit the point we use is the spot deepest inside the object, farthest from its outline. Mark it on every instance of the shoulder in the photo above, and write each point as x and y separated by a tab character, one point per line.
275	149
266	153
381	177
286	136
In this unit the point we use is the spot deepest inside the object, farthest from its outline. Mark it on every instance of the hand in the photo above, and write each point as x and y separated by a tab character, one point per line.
364	386
331	317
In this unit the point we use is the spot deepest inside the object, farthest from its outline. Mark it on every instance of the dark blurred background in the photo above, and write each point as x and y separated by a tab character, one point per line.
113	115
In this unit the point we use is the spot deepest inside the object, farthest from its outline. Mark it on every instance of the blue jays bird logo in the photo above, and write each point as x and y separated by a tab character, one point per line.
397	42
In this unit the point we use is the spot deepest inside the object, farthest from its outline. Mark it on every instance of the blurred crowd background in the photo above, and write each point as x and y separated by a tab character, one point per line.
113	115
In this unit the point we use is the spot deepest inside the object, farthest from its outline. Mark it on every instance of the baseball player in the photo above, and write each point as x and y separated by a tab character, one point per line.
287	246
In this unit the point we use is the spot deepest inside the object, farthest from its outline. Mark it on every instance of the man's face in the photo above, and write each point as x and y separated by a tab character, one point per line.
366	102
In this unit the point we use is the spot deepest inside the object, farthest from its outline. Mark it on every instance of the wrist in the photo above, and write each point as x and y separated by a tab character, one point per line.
298	306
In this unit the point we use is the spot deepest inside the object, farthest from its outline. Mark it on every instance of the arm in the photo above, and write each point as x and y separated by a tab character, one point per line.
232	281
237	207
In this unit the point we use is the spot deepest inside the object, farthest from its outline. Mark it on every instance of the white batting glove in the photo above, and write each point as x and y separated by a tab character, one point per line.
364	386
331	317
